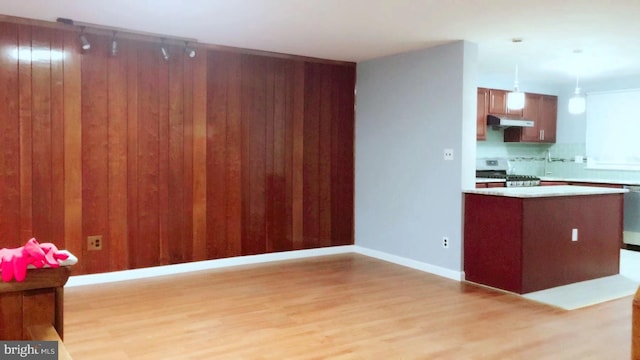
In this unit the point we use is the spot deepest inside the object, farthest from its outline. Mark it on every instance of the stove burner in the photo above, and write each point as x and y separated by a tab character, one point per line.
521	180
511	180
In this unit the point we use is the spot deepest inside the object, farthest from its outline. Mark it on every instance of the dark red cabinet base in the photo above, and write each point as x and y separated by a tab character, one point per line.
524	244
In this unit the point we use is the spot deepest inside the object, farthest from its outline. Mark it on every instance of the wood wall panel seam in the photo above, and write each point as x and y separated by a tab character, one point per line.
26	126
199	157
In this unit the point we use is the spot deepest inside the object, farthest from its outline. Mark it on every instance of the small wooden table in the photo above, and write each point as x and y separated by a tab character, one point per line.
38	300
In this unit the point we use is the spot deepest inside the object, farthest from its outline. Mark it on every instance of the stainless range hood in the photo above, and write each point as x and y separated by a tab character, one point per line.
504	121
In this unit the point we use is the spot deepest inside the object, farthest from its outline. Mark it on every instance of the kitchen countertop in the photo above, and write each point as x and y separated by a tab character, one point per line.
597	181
577	180
546	191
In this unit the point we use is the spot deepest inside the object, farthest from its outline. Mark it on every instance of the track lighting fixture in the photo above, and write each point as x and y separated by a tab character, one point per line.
86	45
191	52
114	45
165	52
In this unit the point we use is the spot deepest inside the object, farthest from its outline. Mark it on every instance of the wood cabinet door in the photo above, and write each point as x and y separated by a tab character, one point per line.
481	120
548	118
498	104
543	110
531	111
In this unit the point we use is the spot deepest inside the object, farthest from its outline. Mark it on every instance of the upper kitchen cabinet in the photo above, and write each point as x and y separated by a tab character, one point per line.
481	120
543	110
549	118
498	103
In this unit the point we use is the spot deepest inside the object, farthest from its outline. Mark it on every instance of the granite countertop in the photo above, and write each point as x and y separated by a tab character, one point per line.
546	191
586	180
577	180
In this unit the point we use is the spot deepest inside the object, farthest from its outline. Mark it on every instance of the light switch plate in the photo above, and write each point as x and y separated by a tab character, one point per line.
574	235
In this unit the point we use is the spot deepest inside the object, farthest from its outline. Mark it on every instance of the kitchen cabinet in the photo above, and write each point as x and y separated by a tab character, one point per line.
580	183
549	118
524	244
498	104
483	108
543	110
496	184
552	183
484	185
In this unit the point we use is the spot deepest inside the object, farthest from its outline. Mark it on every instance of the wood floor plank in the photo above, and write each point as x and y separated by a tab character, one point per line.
339	307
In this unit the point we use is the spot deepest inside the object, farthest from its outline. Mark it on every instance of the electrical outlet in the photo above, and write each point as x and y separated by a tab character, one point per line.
445	242
94	242
448	154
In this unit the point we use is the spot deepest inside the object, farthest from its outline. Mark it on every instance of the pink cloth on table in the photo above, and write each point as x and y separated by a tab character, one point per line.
14	262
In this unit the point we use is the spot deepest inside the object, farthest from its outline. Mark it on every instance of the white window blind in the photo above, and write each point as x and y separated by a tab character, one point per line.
613	130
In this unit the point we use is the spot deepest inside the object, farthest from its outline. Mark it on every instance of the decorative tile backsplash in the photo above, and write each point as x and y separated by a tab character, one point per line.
529	159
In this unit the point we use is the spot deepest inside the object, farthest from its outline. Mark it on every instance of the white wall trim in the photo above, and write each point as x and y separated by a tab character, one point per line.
418	265
124	275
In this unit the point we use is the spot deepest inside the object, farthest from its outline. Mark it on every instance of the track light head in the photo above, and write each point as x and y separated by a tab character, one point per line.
191	52
164	50
114	45
86	45
165	53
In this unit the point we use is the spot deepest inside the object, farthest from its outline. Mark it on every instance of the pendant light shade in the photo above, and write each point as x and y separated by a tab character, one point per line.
577	103
515	99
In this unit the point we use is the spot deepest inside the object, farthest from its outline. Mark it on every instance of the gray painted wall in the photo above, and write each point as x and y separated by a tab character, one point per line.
410	107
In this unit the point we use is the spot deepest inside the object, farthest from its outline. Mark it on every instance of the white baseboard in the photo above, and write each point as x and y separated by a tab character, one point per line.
92	279
414	264
124	275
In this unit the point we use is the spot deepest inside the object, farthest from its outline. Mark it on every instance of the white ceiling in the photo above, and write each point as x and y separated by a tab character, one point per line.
607	32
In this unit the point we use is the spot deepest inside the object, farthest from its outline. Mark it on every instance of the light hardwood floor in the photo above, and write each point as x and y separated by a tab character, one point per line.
333	307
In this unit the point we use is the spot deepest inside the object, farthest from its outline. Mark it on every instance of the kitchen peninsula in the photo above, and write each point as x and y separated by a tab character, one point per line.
527	239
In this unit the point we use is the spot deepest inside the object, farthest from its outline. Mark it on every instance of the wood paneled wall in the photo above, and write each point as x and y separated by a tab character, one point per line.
225	154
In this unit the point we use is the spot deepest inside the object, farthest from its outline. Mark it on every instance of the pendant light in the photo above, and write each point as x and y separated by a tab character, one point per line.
577	103
515	99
